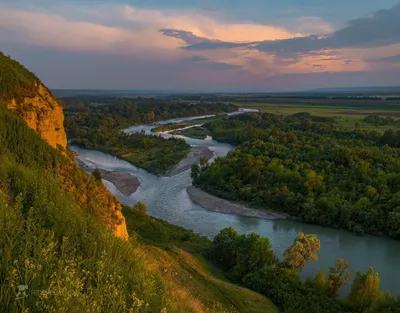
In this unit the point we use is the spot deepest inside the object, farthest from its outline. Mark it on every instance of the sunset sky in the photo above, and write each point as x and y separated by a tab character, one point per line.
205	45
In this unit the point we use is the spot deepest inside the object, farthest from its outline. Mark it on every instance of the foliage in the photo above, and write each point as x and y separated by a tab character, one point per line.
16	82
97	175
282	284
115	113
380	120
365	293
309	167
339	274
96	123
303	249
141	208
241	254
182	261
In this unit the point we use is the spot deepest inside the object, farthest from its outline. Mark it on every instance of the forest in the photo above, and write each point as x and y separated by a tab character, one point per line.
311	168
377	120
250	260
97	123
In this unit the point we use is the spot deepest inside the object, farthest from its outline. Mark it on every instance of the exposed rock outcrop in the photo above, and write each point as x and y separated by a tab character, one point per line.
43	114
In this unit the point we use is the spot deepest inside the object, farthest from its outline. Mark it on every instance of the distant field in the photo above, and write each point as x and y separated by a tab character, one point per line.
348	114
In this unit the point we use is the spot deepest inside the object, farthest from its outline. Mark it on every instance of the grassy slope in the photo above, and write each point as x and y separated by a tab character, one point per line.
180	253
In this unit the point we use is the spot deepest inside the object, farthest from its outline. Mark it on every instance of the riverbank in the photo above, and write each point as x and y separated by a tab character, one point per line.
126	183
194	156
216	204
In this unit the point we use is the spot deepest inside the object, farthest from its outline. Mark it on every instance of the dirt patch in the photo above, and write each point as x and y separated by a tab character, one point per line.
216	204
126	183
193	158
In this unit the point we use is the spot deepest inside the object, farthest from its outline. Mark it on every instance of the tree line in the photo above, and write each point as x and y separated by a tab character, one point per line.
96	122
308	167
250	260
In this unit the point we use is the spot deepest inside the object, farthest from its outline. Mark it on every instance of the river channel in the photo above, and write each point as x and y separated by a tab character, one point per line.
166	198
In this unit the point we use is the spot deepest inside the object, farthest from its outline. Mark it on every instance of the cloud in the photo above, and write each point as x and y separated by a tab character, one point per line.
391	59
378	29
211	64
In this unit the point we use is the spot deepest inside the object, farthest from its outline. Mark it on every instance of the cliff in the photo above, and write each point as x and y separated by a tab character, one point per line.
43	114
23	93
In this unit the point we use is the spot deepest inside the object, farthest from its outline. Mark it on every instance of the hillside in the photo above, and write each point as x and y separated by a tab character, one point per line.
23	92
61	230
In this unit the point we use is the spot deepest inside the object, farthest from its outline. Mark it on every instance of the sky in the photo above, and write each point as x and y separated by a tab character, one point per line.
205	45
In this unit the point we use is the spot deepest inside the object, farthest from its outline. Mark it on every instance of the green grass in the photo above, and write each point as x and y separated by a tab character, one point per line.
181	252
347	115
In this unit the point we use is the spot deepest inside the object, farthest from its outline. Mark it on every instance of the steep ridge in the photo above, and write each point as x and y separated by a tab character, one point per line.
23	92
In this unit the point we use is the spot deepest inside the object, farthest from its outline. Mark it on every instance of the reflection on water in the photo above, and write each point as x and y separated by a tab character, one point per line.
166	198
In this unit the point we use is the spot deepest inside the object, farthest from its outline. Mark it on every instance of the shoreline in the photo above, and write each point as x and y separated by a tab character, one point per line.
125	182
215	204
192	158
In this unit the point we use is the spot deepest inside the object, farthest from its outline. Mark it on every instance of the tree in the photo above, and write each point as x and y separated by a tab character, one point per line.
365	293
97	174
339	274
223	249
303	249
252	253
203	161
195	171
140	208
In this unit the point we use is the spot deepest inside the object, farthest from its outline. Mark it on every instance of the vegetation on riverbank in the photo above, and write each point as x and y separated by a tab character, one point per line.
153	153
197	121
97	122
250	261
195	132
181	256
311	167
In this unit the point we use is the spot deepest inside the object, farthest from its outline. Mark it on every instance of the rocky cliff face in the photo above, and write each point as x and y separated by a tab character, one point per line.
22	92
43	114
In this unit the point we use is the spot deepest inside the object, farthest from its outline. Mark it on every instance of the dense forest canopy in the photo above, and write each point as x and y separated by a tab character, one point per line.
120	112
309	167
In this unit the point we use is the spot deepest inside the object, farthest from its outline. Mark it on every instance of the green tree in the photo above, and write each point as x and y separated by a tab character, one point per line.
97	174
303	249
223	250
141	208
365	293
339	274
195	171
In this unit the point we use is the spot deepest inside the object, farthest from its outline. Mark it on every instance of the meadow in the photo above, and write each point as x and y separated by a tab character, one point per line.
348	112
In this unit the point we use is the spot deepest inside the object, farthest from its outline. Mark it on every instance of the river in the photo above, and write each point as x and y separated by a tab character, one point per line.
166	198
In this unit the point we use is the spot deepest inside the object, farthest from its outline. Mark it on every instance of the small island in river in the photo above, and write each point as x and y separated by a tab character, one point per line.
125	182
